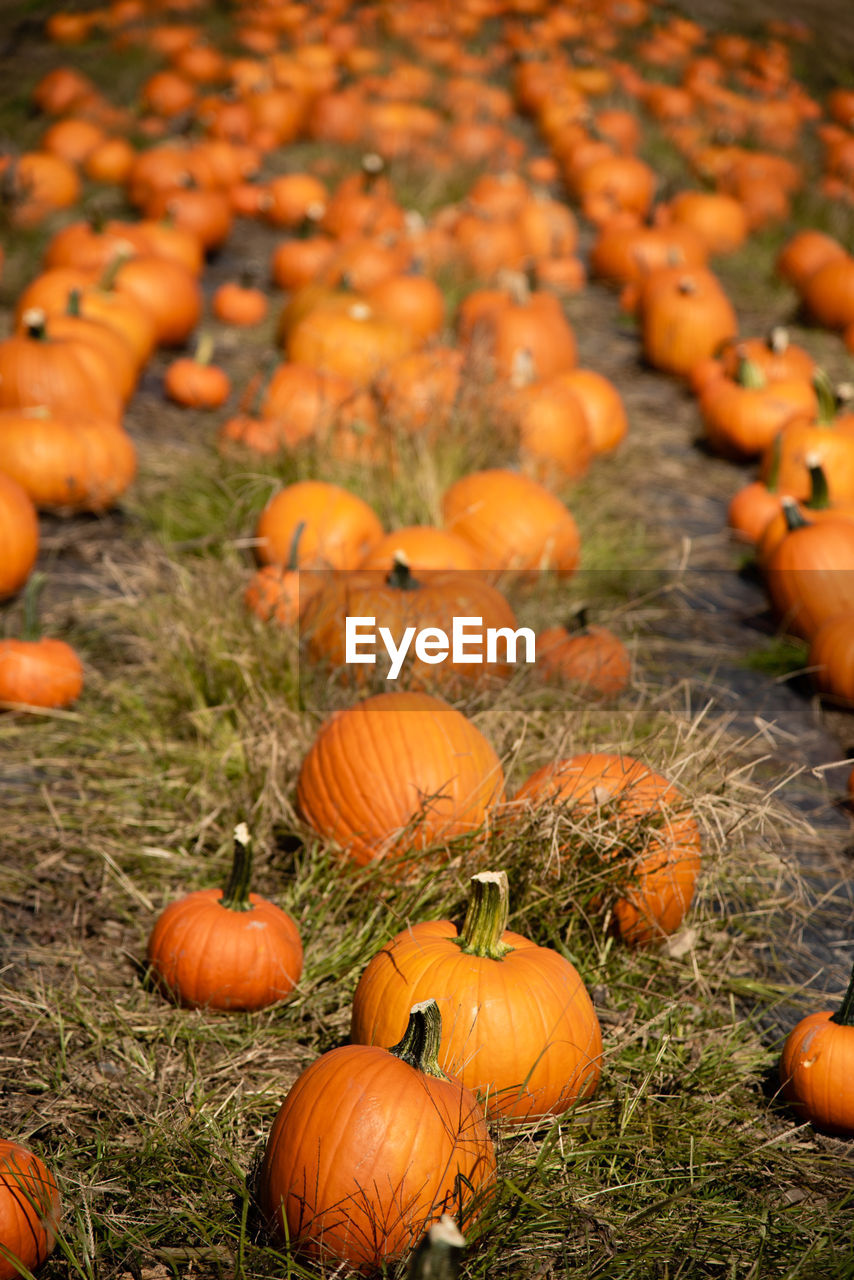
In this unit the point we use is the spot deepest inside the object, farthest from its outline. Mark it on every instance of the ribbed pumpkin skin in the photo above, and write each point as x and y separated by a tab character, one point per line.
40	673
809	576
29	1209
831	658
64	463
662	840
521	1031
208	956
339	527
513	522
816	1070
19	535
366	1152
398	771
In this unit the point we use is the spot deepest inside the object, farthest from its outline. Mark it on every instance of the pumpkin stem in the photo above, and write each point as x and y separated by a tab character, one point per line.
235	895
419	1047
579	622
439	1252
792	514
400	575
824	389
819	499
778	339
844	1015
486	916
35	323
773	479
204	348
72	306
292	549
750	375
31	629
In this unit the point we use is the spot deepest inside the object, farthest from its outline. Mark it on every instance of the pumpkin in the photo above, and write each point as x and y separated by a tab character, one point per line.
804	253
339	527
370	1147
831	659
555	444
63	374
590	657
815	1068
808	573
167	290
719	219
424	547
397	773
195	383
275	592
743	415
239	304
30	1209
514	524
65	463
405	605
518	1027
226	948
39	673
19	534
685	317
651	839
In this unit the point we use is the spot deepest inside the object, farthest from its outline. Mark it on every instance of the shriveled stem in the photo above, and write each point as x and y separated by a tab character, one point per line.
419	1047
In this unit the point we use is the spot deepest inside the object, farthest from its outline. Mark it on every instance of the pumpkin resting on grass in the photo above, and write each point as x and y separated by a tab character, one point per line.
371	1146
396	773
226	949
518	1025
646	828
29	1211
816	1068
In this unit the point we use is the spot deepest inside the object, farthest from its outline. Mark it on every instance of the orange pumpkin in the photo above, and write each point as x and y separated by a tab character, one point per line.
19	534
30	1209
518	1027
815	1068
397	773
652	838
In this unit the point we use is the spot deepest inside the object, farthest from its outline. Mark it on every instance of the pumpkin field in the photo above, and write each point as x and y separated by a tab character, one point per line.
328	329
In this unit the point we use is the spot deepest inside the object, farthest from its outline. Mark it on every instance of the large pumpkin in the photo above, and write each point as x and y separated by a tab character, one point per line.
514	523
518	1026
370	1147
648	835
398	772
29	1210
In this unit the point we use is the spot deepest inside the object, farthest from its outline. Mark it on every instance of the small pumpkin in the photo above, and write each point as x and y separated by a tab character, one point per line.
370	1147
518	1025
194	382
30	1210
816	1066
590	657
226	948
38	671
339	528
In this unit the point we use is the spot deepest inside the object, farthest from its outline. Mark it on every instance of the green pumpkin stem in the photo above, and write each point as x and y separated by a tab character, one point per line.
400	575
827	404
72	305
293	563
772	481
792	515
419	1047
486	916
235	895
844	1015
750	375
204	348
819	499
31	629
